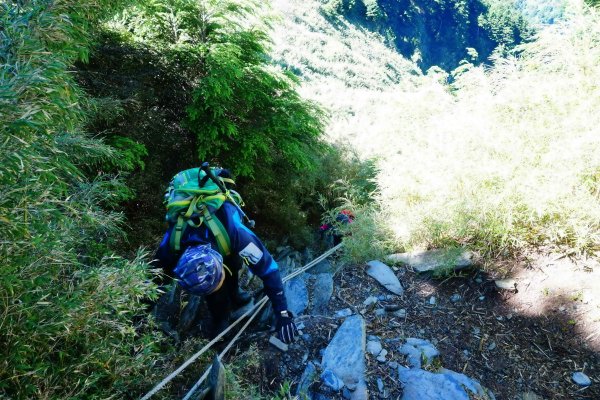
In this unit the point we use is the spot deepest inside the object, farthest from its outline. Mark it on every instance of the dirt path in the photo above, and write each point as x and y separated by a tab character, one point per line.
515	343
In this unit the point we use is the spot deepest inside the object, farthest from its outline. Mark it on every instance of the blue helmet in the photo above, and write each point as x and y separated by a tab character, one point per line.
200	270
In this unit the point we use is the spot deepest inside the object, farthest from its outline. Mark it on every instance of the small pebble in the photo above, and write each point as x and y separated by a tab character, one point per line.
476	331
381	357
432	300
380	312
278	343
393	364
492	346
346	312
380	384
370	300
455	298
581	379
466	352
400	313
509	316
478	280
300	326
481	298
331	380
374	347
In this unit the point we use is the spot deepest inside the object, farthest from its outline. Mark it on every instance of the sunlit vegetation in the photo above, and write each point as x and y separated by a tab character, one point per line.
102	102
501	160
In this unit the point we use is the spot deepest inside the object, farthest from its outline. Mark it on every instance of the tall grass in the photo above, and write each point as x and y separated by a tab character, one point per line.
67	304
503	159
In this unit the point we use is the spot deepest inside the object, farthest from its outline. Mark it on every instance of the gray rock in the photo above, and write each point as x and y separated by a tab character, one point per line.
506	284
370	300
346	312
345	355
432	300
278	343
384	275
346	393
381	356
308	377
330	379
530	396
581	379
216	381
400	313
433	260
393	365
297	295
374	347
322	267
445	385
455	298
492	346
322	291
380	312
380	386
419	351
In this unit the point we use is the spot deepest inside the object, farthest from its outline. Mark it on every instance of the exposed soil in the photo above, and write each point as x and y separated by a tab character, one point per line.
531	340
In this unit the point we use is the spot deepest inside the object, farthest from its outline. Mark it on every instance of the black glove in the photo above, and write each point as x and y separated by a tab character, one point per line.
286	329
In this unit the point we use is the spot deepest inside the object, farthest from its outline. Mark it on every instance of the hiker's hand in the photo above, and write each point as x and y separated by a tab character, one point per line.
286	328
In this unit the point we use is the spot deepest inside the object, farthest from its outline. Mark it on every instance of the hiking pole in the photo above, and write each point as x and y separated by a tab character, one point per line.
206	168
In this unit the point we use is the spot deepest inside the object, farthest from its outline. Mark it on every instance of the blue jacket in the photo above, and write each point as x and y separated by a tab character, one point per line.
245	247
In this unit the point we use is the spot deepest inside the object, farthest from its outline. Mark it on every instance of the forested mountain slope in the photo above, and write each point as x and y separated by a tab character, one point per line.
379	107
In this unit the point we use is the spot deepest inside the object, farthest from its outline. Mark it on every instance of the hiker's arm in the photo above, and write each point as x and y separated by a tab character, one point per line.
247	245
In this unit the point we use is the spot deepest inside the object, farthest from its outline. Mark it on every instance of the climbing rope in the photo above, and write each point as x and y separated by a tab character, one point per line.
254	311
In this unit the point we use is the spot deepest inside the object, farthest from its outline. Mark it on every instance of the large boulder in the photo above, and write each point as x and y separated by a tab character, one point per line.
435	260
296	294
345	356
321	293
443	385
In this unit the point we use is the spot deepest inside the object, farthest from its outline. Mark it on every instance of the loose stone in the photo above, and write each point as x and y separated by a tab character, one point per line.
374	347
330	379
278	344
581	379
346	312
385	276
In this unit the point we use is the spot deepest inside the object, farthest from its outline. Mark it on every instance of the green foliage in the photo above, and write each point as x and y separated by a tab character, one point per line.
68	303
238	109
437	32
505	24
503	159
245	112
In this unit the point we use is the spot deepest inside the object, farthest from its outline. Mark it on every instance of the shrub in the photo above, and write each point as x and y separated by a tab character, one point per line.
68	305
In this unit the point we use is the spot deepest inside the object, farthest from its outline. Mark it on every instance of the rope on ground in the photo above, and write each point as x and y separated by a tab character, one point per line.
261	304
254	310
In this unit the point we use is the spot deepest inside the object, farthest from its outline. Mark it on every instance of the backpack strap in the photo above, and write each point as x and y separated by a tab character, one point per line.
219	232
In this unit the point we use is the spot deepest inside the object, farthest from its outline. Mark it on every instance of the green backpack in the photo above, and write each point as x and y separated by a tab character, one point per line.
189	204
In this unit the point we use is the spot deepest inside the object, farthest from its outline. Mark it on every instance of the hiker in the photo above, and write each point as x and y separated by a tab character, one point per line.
329	231
207	244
